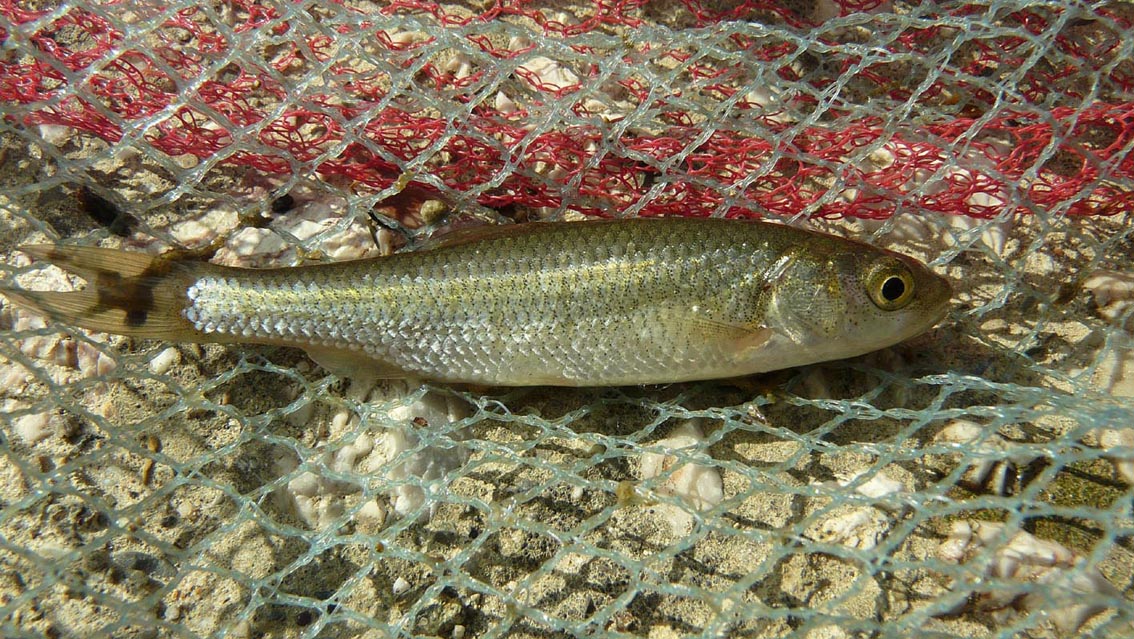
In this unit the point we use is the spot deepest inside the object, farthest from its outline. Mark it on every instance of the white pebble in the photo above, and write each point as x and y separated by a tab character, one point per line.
859	528
400	587
341	422
909	230
1110	286
92	362
252	247
61	350
1070	592
164	361
302	415
1120	438
960	432
563	18
346	458
504	104
992	233
549	73
307	485
49	348
407	499
402	38
370	517
192	233
319	222
460	65
1114	373
1112	290
14	377
879	485
55	134
432	410
367	447
458	632
697	485
304	229
826	632
992	459
320	511
35	428
882	158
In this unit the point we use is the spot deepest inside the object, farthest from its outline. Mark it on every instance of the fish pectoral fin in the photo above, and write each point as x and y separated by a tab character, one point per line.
744	339
755	340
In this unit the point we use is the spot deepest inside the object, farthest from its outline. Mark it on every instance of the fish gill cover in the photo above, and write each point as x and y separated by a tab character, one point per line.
975	481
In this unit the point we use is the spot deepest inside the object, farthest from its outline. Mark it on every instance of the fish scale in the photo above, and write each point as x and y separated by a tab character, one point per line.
588	303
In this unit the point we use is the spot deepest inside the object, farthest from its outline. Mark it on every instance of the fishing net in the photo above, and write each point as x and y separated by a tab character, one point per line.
974	481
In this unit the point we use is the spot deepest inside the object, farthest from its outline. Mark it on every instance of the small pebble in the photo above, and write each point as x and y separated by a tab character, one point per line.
164	361
433	210
459	65
370	517
400	587
34	428
1120	438
549	73
504	104
878	486
1025	574
241	630
1113	292
700	486
861	528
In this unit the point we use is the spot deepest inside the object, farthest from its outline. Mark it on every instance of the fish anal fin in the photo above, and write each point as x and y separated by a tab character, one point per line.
353	364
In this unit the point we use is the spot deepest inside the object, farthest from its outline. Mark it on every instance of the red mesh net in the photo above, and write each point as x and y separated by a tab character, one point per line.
185	83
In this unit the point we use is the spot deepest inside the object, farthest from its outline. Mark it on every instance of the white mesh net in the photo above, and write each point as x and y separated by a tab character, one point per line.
975	481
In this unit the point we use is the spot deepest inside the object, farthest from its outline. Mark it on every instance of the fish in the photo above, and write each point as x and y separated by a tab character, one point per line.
591	303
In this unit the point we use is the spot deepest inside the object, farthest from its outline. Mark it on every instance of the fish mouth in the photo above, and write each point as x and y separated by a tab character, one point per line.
938	312
941	312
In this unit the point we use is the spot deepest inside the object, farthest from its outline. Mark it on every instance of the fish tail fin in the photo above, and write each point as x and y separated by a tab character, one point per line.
127	293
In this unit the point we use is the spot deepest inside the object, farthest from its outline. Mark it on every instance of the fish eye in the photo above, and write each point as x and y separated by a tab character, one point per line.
891	286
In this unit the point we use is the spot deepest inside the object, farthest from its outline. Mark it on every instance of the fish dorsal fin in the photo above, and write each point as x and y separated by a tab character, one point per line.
467	234
470	234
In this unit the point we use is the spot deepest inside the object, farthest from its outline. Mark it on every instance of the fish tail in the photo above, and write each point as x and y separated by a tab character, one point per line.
127	293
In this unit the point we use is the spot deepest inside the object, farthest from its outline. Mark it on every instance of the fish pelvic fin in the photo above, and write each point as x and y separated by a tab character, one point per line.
127	293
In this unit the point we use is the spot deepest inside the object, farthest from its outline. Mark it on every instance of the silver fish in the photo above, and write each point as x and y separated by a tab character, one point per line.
597	303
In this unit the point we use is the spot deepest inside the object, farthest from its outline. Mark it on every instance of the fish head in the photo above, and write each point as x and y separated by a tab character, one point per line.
856	299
